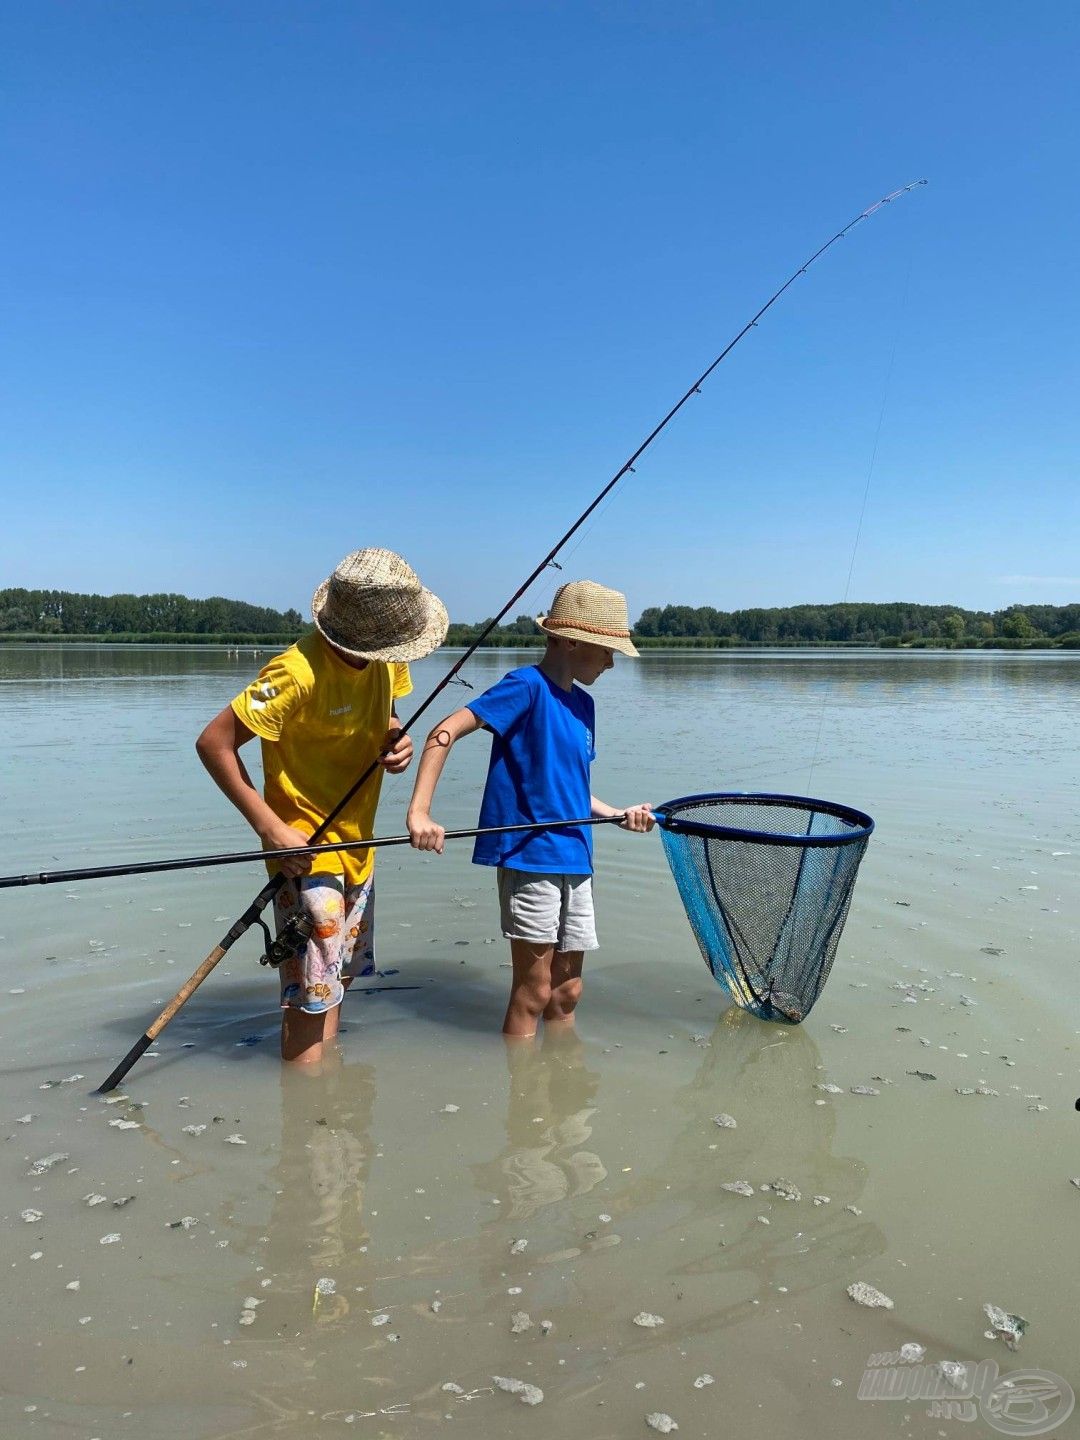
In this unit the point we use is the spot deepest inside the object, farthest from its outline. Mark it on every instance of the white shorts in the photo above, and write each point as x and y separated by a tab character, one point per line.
548	909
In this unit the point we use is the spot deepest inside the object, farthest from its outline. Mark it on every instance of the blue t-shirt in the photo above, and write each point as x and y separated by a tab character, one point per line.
541	750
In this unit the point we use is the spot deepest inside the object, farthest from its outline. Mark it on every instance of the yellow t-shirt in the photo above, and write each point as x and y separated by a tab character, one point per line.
322	722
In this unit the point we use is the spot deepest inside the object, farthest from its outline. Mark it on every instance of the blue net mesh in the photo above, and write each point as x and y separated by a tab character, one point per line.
766	881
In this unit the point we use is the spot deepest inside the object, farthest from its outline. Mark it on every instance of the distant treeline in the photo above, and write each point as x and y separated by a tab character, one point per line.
849	624
523	631
865	624
164	619
47	613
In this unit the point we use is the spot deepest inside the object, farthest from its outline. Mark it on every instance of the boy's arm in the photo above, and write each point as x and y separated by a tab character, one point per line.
218	747
635	817
425	833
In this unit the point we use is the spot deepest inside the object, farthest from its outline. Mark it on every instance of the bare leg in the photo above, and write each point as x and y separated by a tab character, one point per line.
333	1020
565	987
530	987
333	1017
302	1035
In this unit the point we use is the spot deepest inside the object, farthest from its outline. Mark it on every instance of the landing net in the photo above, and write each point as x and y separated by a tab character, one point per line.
766	881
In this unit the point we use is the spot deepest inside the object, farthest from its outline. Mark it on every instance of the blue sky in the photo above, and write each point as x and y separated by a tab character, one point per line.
284	279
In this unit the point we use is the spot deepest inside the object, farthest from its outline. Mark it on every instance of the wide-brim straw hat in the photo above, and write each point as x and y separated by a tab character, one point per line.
373	607
584	610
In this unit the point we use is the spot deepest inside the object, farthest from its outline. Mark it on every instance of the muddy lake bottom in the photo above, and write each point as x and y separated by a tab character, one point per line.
229	1249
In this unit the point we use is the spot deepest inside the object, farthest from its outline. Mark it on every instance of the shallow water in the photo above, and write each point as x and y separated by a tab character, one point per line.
600	1153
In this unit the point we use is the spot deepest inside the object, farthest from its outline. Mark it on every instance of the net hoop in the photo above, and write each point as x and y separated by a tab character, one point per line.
861	825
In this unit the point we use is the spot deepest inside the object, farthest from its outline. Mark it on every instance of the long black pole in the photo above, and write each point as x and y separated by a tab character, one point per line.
269	890
239	857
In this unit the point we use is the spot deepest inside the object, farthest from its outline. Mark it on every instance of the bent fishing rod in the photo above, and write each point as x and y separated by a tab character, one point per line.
267	893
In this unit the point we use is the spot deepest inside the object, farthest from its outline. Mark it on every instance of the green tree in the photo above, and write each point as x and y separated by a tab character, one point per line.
1016	625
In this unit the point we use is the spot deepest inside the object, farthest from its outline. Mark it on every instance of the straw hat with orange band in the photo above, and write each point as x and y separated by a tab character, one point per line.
584	610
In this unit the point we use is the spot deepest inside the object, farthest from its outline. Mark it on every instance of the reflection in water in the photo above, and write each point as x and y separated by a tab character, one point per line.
924	671
856	670
548	1117
775	720
708	1242
119	662
317	1227
764	1076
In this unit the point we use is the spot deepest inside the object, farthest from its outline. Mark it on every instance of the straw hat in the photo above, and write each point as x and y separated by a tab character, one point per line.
373	607
583	610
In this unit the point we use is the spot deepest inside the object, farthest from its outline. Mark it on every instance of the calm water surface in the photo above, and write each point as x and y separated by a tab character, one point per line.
600	1153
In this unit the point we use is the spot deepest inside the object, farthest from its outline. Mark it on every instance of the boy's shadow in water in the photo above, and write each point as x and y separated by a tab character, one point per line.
231	1021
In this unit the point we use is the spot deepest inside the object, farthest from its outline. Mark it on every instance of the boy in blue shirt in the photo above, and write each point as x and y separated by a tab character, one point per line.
543	730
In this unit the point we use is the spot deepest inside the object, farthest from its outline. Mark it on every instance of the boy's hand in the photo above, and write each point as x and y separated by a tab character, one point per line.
424	833
399	756
637	817
280	836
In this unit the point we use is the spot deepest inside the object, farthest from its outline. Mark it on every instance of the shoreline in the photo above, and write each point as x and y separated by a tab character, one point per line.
668	645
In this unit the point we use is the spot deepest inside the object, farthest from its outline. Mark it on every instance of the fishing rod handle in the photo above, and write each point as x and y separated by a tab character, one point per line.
191	984
153	1031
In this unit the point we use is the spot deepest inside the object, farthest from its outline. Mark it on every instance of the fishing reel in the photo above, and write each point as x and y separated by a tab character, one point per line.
295	934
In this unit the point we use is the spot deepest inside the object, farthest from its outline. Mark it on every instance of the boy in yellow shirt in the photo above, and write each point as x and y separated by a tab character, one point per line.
324	709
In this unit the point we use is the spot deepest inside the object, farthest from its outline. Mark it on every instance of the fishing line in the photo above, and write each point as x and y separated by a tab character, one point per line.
901	313
602	510
267	893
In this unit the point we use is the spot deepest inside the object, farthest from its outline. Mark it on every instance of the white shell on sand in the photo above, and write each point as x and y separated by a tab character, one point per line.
47	1162
864	1294
785	1189
526	1393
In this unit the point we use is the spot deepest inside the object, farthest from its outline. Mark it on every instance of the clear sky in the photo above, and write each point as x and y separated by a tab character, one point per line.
283	278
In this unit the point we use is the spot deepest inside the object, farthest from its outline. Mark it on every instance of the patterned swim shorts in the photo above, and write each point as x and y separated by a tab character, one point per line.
342	942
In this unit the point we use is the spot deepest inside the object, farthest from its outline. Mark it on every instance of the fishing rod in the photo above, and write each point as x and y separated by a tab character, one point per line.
267	893
238	857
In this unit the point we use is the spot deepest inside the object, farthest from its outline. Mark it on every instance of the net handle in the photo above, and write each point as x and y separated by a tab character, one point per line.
864	825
